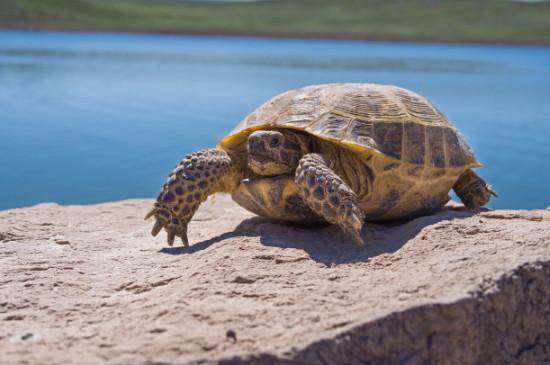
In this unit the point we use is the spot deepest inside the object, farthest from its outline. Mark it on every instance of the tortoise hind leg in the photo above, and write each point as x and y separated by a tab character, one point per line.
472	190
329	196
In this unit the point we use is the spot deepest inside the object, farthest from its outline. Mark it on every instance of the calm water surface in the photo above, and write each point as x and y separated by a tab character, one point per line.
88	118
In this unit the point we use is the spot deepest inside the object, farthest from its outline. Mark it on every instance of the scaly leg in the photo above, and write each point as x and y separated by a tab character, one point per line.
329	196
473	190
197	176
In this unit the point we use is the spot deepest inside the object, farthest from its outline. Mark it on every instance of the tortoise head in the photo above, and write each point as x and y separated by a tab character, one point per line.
273	152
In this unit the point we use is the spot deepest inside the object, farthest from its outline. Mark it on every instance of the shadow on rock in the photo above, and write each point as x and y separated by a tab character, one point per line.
247	228
326	243
181	250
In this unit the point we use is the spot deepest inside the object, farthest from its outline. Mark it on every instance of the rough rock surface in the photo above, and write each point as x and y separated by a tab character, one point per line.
88	284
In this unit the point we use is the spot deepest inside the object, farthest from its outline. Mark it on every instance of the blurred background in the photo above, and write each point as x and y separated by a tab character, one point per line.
100	99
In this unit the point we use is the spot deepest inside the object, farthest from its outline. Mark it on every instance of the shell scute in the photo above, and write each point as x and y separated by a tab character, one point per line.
361	131
454	150
415	143
436	146
330	126
390	138
419	107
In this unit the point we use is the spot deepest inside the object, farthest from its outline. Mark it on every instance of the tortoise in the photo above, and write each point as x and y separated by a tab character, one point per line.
340	153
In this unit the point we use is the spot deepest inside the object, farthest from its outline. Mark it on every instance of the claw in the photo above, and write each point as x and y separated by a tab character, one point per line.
183	236
491	190
158	226
184	239
171	236
356	222
150	214
354	235
352	227
358	240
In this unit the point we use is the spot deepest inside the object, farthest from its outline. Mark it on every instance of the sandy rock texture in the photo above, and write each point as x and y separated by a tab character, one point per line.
88	285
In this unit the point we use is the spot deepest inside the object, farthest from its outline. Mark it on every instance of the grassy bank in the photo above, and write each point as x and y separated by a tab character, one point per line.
480	21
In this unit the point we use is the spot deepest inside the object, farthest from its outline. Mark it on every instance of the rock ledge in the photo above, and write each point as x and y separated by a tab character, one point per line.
89	283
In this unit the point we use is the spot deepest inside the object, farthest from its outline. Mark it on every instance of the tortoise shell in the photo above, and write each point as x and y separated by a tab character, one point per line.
412	152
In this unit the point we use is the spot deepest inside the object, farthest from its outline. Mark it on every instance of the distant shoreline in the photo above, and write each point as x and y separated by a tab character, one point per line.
445	21
283	35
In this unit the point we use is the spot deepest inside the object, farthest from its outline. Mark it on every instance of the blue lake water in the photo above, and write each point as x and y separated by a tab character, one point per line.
88	118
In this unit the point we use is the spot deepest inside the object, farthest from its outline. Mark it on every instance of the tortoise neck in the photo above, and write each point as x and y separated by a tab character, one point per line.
304	140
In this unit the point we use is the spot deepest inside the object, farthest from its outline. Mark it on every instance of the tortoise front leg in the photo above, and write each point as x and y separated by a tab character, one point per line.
197	176
329	196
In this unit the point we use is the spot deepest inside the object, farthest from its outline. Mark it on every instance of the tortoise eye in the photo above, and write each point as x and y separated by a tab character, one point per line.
275	141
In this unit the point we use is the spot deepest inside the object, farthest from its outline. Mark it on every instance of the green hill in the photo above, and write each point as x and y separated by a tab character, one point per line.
481	21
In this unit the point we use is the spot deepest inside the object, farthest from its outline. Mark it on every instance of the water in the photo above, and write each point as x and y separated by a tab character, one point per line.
88	118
